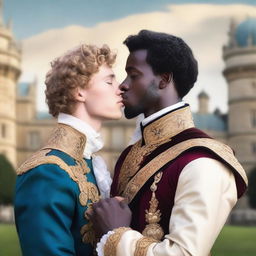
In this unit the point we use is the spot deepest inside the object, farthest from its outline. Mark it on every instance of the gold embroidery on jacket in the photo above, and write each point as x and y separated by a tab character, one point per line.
168	126
155	134
142	245
88	234
113	240
68	140
222	150
132	162
153	215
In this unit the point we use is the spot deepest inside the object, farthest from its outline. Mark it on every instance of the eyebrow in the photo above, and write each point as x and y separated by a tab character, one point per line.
129	69
110	76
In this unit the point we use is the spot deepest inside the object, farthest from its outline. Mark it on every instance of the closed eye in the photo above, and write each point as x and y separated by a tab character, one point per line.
134	76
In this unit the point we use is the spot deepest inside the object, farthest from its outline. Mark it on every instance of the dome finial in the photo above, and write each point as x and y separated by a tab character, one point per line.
232	31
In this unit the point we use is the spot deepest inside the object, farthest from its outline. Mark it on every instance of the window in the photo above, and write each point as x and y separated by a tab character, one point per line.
253	118
3	131
34	140
254	147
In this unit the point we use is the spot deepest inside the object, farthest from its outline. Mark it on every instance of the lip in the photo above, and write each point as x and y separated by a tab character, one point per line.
120	102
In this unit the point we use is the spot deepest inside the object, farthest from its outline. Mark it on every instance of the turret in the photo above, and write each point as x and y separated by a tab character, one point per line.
10	69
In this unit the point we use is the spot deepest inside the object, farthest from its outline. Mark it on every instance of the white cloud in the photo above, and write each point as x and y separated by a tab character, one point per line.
204	27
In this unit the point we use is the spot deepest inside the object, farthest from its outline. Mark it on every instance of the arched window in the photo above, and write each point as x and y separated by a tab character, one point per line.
253	118
254	147
3	131
34	140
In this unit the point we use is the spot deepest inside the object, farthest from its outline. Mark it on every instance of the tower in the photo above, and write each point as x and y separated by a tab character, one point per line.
240	72
10	58
203	100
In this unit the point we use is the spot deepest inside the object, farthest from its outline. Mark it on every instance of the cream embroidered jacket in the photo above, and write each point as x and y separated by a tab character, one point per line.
206	193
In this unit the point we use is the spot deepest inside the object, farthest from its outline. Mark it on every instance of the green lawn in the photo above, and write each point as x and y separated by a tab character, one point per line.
236	241
233	241
9	244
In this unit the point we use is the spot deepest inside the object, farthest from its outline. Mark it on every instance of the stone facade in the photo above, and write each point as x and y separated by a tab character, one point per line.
240	73
10	62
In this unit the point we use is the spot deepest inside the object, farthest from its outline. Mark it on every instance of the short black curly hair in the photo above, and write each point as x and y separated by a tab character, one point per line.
167	54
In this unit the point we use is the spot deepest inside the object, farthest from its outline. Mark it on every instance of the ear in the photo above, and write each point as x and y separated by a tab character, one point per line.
166	78
80	94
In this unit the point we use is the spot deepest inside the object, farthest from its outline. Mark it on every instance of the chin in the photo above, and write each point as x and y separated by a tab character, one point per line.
118	116
115	116
129	114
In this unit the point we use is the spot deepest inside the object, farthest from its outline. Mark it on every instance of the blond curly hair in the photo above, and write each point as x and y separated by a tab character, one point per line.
72	70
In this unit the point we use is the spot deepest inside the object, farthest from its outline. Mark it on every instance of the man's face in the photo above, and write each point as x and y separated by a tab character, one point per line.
103	100
140	87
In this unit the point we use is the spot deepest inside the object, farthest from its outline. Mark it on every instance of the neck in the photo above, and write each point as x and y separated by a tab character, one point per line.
83	115
163	104
167	97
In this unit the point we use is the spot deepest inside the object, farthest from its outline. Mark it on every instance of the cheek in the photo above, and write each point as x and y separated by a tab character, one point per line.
102	101
138	90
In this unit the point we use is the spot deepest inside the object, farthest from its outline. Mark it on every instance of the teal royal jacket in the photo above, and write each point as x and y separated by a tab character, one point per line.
54	189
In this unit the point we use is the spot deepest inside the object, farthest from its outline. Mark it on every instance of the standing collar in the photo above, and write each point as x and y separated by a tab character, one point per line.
161	112
94	141
142	121
167	125
67	139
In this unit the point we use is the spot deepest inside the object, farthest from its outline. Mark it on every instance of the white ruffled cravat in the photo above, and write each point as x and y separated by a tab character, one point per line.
94	143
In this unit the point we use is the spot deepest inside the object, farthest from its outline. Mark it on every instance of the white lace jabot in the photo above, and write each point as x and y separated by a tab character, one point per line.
94	143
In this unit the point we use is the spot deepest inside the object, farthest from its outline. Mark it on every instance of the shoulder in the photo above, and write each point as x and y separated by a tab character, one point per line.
43	169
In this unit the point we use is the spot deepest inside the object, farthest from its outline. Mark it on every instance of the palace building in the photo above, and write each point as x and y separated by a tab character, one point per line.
23	129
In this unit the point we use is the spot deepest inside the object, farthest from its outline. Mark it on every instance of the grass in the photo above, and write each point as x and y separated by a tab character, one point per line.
9	243
233	241
236	241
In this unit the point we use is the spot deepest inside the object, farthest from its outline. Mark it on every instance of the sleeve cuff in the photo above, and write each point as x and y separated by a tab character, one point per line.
108	242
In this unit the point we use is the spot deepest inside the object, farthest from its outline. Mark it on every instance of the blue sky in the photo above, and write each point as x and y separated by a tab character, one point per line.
34	16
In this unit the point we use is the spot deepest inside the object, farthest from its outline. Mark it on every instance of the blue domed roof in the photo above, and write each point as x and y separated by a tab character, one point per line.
245	32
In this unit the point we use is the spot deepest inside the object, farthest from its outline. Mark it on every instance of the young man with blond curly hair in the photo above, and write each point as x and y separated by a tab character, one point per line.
56	185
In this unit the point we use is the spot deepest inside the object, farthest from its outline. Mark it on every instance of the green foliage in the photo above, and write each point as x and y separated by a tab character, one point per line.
252	188
7	181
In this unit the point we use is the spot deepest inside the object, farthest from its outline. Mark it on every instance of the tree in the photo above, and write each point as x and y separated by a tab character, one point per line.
7	181
252	188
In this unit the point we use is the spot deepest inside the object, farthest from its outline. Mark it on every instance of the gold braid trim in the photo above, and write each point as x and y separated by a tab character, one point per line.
88	190
155	134
70	141
220	149
113	240
142	245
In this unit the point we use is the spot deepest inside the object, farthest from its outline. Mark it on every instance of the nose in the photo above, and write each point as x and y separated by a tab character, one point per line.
117	87
124	86
118	91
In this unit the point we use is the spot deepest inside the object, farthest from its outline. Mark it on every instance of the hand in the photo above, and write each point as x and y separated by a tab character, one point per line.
109	214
